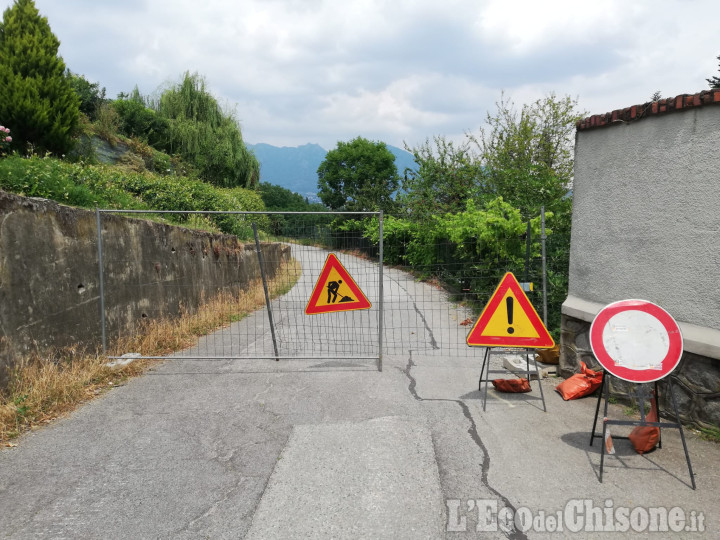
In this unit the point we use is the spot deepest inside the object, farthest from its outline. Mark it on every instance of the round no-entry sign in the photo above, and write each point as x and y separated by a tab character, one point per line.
636	340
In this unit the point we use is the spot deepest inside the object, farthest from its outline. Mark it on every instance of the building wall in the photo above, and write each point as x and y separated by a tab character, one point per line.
646	224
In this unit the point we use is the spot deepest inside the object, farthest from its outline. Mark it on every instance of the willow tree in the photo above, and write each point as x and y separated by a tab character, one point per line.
206	135
37	101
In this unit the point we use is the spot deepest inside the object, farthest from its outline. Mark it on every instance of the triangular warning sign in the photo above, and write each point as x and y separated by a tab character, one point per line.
510	320
335	291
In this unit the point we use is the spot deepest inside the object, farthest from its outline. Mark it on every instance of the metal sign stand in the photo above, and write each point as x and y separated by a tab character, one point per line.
485	370
641	393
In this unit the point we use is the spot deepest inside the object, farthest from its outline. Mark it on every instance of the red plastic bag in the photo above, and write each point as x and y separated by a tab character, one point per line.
645	438
580	384
511	385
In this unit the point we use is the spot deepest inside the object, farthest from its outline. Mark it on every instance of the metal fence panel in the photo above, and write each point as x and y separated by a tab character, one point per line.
426	307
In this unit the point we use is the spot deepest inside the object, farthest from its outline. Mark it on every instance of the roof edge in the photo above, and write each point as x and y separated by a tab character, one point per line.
651	108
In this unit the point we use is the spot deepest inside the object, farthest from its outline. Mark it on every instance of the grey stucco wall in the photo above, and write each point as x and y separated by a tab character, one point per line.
49	281
646	216
646	224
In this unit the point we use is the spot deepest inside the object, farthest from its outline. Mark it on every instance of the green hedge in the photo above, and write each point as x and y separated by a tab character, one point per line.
92	186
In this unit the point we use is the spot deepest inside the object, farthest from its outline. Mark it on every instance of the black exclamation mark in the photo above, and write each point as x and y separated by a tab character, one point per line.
509	304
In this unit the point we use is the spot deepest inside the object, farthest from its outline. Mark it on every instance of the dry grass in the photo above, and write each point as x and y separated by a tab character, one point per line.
47	385
163	336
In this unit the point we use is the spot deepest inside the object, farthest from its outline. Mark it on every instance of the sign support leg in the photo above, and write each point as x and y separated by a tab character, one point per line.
605	394
539	376
682	434
606	391
597	409
486	362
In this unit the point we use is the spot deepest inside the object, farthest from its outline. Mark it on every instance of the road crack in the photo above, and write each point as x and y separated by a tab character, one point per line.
474	435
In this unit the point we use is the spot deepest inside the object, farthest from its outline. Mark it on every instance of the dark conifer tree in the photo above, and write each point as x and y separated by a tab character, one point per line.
37	101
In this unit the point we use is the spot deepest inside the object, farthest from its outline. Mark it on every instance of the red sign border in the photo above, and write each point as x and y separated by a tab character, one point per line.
675	349
333	262
509	281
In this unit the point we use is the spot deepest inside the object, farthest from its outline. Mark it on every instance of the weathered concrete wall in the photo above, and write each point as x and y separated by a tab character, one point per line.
49	281
646	225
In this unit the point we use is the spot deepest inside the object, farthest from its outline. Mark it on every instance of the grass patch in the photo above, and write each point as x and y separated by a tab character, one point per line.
709	434
47	385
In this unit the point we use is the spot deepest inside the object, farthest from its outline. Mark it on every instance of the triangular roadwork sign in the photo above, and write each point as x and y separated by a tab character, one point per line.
335	290
509	320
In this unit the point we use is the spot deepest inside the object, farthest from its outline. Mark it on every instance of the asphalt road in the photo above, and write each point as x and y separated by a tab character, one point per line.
333	448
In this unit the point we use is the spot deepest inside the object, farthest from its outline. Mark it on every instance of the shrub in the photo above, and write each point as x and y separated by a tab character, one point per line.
137	120
92	186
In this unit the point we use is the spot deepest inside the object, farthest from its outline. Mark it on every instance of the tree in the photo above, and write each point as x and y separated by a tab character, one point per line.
447	176
282	199
527	159
714	81
206	136
527	155
358	176
90	95
38	103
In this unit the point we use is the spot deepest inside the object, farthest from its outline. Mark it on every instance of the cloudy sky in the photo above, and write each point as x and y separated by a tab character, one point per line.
399	71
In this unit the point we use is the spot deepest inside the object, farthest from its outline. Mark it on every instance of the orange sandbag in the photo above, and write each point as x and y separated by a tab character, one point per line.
645	438
511	385
580	384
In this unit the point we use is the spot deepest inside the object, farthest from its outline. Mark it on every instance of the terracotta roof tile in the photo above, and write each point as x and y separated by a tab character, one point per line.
651	108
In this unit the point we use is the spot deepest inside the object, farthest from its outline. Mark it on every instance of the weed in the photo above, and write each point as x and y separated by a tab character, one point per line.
21	410
107	123
46	385
710	434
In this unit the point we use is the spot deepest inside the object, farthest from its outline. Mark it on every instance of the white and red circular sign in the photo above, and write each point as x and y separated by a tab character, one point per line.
636	340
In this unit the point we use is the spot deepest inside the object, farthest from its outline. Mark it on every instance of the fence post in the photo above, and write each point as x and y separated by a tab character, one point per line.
543	236
380	291
527	252
261	263
101	279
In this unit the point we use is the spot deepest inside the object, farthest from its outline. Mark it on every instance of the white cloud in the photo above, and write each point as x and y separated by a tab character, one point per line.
395	70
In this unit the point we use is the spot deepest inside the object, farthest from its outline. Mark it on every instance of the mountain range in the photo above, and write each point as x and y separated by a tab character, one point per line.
295	167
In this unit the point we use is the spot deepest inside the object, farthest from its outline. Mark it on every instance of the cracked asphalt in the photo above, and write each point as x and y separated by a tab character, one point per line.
336	449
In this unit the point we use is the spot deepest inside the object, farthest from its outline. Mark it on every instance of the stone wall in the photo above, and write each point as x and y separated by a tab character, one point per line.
696	380
49	279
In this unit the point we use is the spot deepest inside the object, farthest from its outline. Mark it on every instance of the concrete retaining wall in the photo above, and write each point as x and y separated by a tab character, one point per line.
49	281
